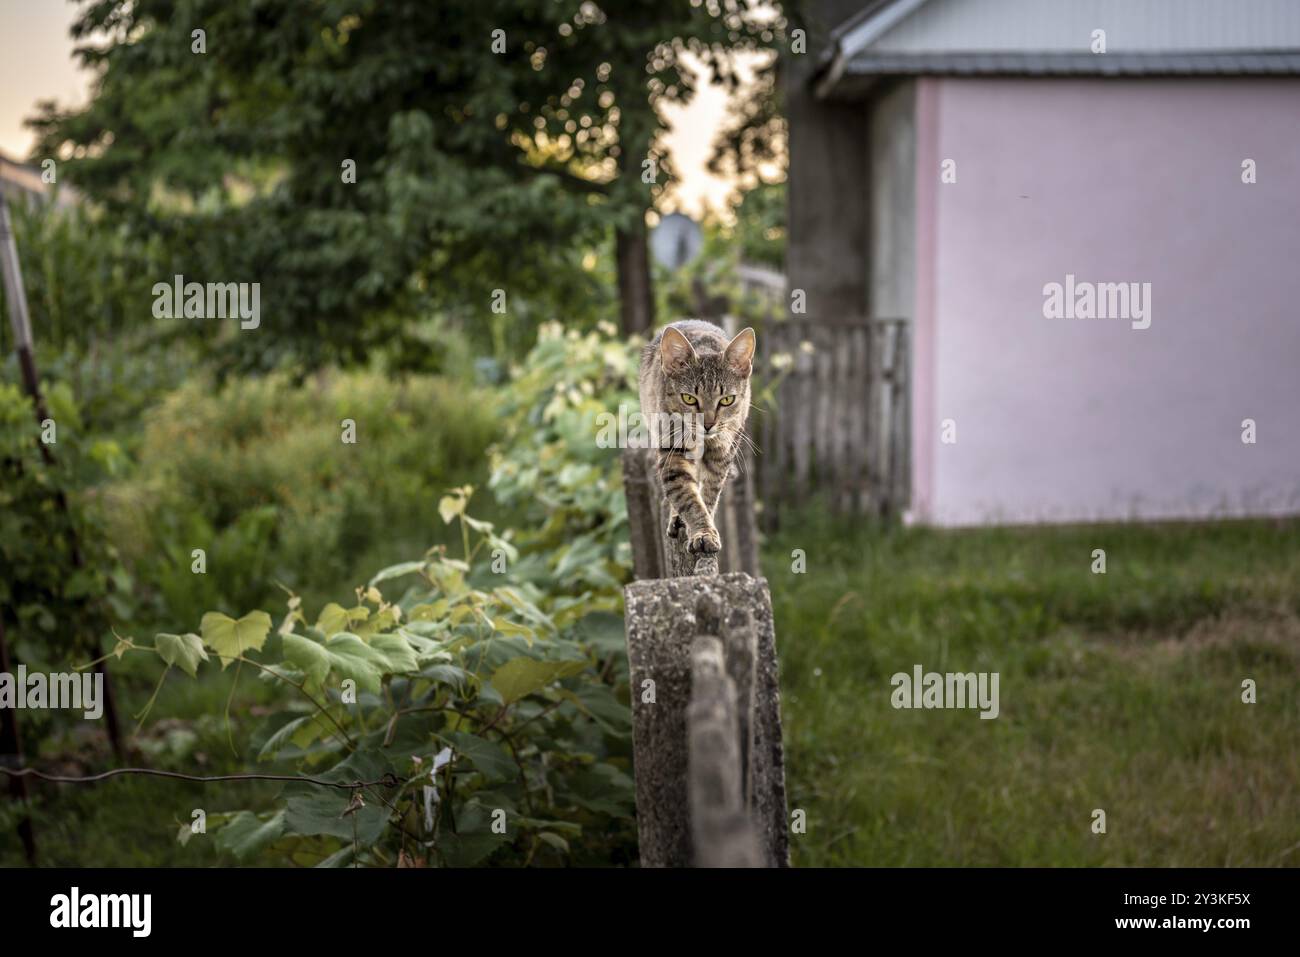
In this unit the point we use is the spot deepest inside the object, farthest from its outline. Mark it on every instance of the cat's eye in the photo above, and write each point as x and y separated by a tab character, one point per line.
690	399
727	400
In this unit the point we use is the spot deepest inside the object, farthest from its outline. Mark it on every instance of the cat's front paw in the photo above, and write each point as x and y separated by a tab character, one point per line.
705	542
675	525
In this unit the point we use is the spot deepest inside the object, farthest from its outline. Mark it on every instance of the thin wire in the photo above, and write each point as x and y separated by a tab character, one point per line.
389	780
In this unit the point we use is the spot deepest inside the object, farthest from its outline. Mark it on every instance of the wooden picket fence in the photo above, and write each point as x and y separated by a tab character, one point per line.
832	415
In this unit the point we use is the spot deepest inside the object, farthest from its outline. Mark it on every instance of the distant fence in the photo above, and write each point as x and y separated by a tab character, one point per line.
832	416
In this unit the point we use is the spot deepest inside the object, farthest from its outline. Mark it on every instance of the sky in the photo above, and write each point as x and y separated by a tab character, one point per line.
36	64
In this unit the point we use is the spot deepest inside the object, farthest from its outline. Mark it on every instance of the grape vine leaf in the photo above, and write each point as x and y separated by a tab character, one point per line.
313	810
488	757
230	638
183	651
246	834
521	676
347	656
334	618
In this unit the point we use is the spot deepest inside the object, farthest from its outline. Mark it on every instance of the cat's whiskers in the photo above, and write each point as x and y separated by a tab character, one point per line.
751	446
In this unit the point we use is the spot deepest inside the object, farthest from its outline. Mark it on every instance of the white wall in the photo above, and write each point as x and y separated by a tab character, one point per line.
1110	180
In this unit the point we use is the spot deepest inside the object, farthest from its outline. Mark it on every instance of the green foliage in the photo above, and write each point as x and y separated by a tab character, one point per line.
256	474
65	583
475	169
499	710
61	575
116	379
554	465
759	230
81	272
751	147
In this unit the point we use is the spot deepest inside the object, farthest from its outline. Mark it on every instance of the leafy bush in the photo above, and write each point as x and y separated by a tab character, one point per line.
501	669
64	585
499	711
759	230
82	273
551	465
52	604
256	473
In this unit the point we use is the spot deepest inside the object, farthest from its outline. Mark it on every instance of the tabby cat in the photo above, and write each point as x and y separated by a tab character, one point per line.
697	379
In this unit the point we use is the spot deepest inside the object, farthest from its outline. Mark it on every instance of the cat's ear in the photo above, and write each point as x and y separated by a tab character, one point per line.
740	352
675	350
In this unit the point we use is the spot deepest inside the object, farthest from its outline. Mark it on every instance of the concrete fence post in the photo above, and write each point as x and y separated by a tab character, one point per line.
721	829
706	712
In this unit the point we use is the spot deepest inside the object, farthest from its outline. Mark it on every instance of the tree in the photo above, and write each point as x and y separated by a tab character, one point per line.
751	146
751	150
358	157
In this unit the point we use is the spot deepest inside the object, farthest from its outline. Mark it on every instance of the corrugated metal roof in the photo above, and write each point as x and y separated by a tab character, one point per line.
1052	38
1066	26
1050	64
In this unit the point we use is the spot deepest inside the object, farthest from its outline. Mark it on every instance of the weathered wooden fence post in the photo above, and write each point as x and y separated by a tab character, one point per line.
706	707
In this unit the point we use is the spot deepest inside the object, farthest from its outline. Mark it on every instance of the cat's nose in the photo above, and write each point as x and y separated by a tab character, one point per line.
709	419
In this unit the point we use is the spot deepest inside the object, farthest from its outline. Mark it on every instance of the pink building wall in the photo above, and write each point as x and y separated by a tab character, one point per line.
1111	181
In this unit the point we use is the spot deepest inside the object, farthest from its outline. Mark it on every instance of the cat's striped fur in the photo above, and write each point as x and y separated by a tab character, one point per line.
695	360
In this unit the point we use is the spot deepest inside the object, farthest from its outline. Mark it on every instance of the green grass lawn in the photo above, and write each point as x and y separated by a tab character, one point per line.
1120	691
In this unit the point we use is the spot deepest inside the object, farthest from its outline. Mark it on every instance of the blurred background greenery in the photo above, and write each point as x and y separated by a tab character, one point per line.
445	231
476	172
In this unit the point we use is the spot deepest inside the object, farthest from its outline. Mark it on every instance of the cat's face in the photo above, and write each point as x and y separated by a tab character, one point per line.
713	385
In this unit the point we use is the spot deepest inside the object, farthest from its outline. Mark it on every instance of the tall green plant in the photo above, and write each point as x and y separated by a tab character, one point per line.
53	603
497	713
256	474
553	464
86	276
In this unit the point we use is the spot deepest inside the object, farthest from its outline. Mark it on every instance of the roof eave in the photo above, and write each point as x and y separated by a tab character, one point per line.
853	78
